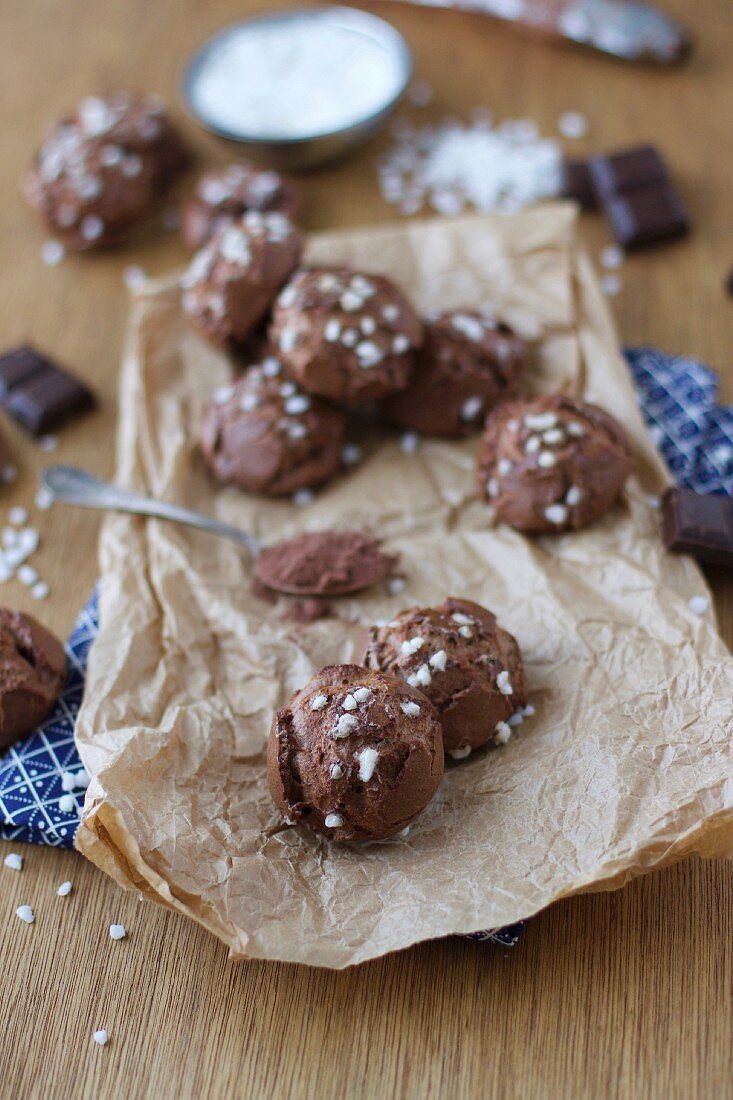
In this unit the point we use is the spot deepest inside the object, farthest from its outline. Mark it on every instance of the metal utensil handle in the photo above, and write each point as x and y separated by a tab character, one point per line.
71	485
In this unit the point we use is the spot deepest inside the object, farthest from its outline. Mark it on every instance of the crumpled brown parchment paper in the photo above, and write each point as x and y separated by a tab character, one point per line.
627	764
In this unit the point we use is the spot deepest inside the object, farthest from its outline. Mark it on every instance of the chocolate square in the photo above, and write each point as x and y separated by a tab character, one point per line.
627	171
647	215
18	366
697	524
38	393
576	184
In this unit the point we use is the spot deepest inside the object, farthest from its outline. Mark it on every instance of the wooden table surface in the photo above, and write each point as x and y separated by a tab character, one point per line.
625	994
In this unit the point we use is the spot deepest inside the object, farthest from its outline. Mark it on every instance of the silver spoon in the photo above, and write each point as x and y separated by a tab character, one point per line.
70	485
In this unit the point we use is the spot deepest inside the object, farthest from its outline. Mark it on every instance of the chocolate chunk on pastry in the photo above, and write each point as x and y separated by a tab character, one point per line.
267	436
551	463
233	280
459	656
468	362
344	335
355	755
224	194
32	674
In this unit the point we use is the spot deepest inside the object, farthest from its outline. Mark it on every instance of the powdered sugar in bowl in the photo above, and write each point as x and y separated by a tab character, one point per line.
301	86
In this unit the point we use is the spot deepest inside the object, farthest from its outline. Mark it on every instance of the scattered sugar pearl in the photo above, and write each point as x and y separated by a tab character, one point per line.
612	257
100	1037
14	861
363	695
516	719
465	632
319	702
25	913
48	443
395	585
546	459
460	753
471	408
18	516
492	487
611	285
294	406
350	301
349	703
556	513
64	889
502	733
351	454
368	353
67	803
410	709
554	436
368	326
400	344
573	496
540	422
346	724
349	337
503	683
572	124
133	276
44	499
52	253
459	617
271	367
368	759
117	932
333	821
411	645
91	228
532	445
303	497
575	429
698	604
421	678
528	711
336	771
438	661
332	331
504	466
27	575
40	590
409	443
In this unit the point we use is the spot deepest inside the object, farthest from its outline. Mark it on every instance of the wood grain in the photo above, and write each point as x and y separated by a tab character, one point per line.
620	995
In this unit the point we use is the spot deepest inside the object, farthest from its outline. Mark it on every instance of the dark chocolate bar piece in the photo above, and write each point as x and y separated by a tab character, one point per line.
18	366
38	393
622	172
576	184
700	525
646	216
635	191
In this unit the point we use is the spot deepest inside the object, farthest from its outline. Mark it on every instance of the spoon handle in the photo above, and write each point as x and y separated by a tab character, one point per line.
71	485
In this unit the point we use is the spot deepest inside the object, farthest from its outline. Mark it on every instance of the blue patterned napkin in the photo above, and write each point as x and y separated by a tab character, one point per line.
42	778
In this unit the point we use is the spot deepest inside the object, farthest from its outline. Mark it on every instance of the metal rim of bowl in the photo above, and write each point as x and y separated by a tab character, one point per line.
355	18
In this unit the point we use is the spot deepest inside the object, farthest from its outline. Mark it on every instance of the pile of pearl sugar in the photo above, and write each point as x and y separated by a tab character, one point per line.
294	78
451	166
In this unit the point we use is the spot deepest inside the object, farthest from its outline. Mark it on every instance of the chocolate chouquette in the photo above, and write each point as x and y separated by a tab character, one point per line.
355	755
345	336
551	463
